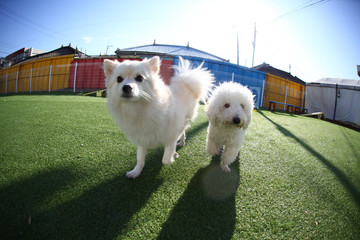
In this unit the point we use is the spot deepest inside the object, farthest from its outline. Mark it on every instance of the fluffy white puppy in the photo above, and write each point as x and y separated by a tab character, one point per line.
229	110
149	112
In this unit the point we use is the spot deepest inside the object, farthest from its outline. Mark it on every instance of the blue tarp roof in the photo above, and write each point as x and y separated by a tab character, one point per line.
174	50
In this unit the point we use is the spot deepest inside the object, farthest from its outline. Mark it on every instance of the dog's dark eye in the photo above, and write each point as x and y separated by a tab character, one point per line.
119	79
139	78
242	105
227	105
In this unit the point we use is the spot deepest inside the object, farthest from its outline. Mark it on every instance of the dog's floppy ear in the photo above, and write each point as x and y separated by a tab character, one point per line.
154	64
211	114
109	67
247	123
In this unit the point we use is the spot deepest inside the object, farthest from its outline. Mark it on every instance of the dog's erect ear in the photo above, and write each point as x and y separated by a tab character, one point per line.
154	64
109	67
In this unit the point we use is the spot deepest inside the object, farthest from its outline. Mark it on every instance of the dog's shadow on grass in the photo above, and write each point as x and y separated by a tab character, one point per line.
100	212
206	210
341	176
20	200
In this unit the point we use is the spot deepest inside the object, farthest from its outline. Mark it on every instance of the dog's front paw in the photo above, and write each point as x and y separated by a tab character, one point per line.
171	160
225	168
213	149
133	174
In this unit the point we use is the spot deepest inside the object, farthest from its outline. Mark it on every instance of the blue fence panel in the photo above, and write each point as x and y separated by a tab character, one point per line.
225	72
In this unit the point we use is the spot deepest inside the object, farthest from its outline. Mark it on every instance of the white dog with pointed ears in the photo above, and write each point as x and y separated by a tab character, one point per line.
149	112
229	110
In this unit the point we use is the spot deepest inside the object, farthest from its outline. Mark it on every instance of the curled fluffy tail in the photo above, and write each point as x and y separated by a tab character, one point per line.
197	80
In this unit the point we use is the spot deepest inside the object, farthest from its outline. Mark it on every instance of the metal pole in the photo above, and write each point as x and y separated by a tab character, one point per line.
254	43
336	99
262	94
286	91
17	77
50	78
237	50
30	77
303	100
6	83
76	64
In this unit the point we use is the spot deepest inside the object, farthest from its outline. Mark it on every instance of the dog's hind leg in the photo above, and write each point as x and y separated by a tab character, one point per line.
181	141
140	163
169	153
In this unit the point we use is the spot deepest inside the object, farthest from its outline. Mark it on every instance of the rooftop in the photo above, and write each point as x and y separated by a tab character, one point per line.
277	72
63	50
173	50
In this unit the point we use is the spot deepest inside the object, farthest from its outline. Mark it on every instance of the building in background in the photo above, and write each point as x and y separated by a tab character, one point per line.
20	55
282	87
30	54
62	51
47	71
167	51
337	98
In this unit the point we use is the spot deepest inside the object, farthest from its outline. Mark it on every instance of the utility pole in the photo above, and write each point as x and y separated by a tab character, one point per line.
237	47
107	48
254	43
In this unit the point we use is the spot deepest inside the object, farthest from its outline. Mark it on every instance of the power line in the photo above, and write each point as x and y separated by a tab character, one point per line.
29	23
308	4
4	52
22	17
26	25
7	44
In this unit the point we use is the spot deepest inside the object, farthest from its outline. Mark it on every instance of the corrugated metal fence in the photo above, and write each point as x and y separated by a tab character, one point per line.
62	73
282	90
224	72
67	73
50	74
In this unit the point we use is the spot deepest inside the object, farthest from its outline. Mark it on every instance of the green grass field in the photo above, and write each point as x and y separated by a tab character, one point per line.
63	165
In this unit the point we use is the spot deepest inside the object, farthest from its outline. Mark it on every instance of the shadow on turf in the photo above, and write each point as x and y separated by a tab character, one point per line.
19	202
206	210
101	212
351	144
355	194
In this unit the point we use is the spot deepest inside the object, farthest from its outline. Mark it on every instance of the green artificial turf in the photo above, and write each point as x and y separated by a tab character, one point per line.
63	164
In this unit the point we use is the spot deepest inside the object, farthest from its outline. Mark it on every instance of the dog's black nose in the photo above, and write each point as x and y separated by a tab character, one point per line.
236	120
127	89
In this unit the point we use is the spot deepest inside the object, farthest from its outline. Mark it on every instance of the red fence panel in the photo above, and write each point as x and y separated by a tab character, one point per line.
90	73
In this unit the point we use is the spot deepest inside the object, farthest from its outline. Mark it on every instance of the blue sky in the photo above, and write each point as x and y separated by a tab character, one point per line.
318	38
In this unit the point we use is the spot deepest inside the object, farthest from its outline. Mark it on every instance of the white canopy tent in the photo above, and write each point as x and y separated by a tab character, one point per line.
338	99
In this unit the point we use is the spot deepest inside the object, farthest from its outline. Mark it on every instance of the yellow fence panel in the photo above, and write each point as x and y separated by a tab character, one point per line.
24	77
9	79
283	90
40	77
49	74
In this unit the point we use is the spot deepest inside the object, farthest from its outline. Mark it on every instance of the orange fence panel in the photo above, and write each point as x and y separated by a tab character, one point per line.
283	90
49	74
